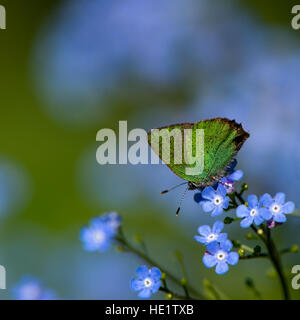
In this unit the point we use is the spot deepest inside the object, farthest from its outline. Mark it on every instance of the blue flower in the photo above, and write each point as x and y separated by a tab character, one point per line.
253	213
209	235
101	232
233	175
228	181
30	288
219	255
277	206
214	200
147	281
113	219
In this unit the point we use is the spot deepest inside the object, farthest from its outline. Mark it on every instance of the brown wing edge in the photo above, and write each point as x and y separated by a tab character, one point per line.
239	140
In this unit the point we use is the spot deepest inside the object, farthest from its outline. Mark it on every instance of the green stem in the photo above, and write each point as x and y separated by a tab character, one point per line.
175	295
208	285
151	262
275	258
246	248
273	254
261	255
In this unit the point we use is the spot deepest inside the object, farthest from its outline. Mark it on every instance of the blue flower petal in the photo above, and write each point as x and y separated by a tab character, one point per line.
279	217
226	203
280	198
209	260
84	234
207	206
136	284
156	286
266	200
226	245
252	201
217	211
289	207
145	293
221	190
200	239
89	243
204	230
246	223
222	237
222	267
217	227
213	247
236	175
265	213
258	220
143	272
232	258
209	193
242	211
155	274
97	223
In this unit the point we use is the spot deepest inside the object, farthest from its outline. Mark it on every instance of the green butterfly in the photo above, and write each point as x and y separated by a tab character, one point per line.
221	141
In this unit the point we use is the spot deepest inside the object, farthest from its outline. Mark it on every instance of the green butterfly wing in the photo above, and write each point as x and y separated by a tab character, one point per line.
222	140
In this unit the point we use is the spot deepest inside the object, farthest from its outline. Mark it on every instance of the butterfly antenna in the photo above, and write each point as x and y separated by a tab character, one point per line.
168	190
182	197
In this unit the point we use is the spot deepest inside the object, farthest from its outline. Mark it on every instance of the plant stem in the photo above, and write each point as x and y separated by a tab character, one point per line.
208	285
273	254
143	256
261	255
175	295
275	258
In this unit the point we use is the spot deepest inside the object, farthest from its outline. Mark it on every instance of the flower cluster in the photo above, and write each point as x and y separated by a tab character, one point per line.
218	251
147	281
101	232
272	210
104	229
214	198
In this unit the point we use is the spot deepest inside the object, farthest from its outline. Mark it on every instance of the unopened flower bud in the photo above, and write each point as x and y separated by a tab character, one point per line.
241	252
294	248
260	232
249	236
245	186
228	220
169	296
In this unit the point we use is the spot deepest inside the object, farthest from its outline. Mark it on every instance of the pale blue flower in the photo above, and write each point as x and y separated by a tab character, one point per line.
214	200
253	213
277	206
219	256
208	235
99	235
147	281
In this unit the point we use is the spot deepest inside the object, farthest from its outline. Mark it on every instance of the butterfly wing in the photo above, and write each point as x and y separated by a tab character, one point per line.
223	138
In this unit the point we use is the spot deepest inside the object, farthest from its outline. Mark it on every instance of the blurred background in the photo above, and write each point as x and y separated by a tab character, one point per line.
72	67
